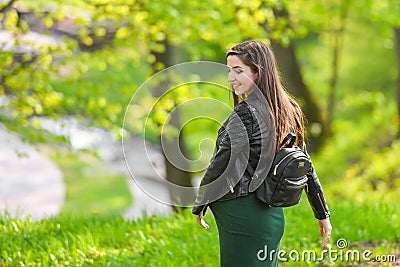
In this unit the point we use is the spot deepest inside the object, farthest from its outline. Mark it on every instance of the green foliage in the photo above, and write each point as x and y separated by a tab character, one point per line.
365	128
145	26
385	168
364	118
100	91
31	131
207	28
377	173
386	11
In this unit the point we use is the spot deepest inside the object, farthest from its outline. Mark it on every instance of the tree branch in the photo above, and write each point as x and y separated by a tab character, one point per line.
9	4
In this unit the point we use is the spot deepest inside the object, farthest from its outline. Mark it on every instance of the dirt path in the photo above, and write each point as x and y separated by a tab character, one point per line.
29	182
32	184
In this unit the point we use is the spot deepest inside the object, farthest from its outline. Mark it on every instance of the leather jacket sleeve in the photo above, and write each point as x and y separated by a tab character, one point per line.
233	140
315	194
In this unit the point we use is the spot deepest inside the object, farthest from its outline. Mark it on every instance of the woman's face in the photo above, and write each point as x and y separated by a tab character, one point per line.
240	75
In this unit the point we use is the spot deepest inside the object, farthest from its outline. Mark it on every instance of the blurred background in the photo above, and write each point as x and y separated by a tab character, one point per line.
69	69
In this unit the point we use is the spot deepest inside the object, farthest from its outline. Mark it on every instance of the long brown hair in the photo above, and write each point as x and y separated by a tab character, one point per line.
286	112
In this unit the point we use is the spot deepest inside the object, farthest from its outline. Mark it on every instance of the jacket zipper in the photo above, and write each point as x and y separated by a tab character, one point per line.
220	135
322	203
204	208
230	186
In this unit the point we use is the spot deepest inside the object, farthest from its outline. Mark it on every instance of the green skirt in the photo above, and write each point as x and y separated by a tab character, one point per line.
249	232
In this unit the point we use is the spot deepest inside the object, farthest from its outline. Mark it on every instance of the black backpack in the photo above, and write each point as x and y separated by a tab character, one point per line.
287	177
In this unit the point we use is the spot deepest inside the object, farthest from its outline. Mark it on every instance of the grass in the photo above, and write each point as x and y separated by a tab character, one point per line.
110	240
105	241
90	186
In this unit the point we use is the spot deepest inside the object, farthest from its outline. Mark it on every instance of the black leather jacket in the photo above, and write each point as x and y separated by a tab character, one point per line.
242	156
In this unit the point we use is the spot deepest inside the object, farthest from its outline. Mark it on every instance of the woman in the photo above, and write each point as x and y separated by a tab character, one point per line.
246	145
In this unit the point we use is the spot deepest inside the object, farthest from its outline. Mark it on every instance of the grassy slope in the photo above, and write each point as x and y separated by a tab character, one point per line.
108	240
90	187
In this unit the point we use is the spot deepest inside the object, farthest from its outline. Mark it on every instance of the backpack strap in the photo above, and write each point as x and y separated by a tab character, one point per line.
292	137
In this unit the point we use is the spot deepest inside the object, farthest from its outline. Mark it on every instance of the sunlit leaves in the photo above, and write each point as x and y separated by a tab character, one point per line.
387	11
80	22
161	117
52	99
45	60
378	170
204	29
48	22
99	31
140	16
123	33
11	21
260	16
36	123
102	66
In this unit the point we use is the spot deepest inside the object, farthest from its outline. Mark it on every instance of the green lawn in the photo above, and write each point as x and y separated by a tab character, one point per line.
90	186
110	240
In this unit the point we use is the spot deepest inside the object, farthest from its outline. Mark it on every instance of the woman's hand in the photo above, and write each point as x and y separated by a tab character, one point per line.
325	229
201	221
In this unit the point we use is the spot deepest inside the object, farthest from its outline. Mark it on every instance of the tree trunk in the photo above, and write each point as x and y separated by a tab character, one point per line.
173	147
337	44
293	81
397	37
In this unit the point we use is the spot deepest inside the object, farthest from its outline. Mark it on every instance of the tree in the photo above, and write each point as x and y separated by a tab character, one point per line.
397	36
201	29
293	80
175	145
26	67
